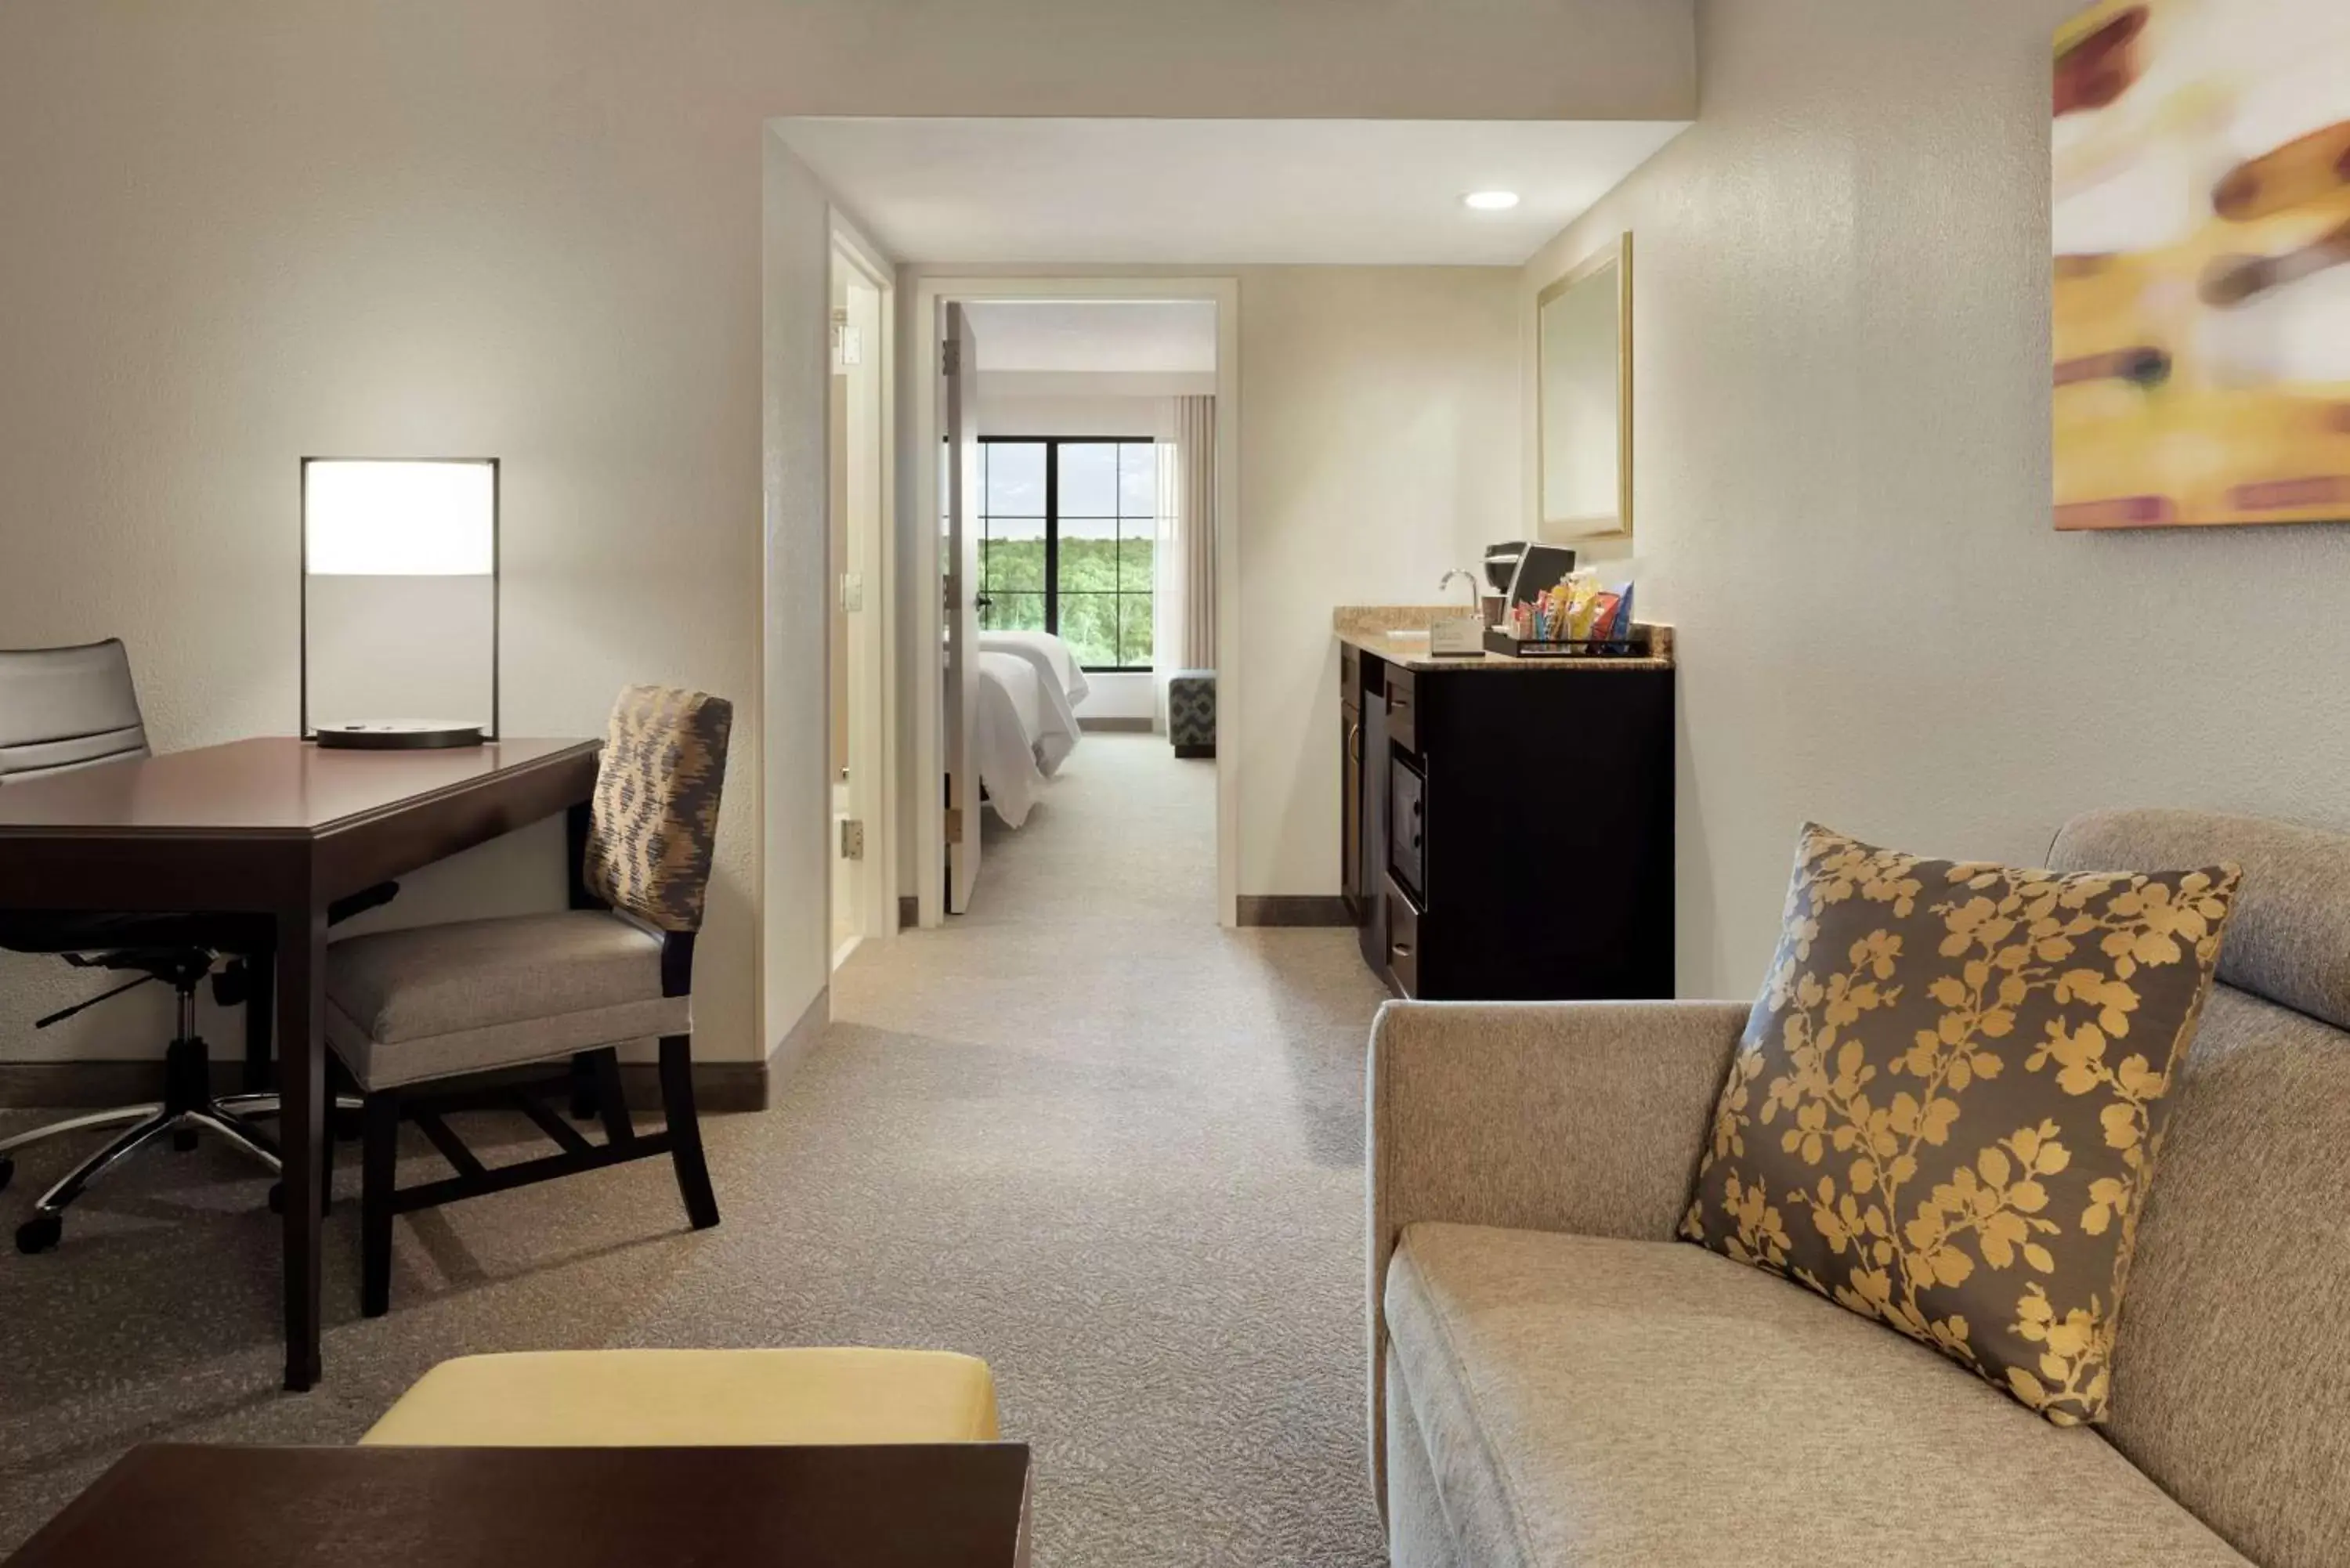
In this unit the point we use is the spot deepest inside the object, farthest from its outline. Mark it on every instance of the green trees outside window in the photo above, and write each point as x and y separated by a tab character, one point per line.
1068	529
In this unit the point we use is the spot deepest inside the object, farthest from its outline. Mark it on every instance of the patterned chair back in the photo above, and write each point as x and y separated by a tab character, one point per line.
654	820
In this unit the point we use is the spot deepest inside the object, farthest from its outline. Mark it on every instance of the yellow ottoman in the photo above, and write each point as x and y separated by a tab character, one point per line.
694	1399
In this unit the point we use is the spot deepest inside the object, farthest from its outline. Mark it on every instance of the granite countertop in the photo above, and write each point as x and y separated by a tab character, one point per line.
1370	628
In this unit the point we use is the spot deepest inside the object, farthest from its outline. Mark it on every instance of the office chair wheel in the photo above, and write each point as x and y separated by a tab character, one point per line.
184	1139
40	1233
7	1172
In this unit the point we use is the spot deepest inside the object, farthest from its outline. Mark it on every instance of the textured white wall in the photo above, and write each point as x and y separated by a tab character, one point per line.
1841	320
1379	451
796	806
241	232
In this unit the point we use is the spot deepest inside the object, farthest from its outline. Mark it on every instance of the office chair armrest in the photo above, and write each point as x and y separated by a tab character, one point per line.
361	902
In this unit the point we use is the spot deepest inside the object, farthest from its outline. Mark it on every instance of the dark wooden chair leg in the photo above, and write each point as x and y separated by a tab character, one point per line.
685	1131
612	1100
379	1152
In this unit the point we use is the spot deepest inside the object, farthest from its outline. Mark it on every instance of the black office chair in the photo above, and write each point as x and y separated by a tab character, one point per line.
63	709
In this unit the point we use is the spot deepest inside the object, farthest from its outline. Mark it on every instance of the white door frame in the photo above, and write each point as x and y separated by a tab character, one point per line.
878	633
929	835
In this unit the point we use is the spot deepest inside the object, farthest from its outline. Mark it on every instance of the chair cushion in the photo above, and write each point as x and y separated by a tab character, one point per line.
695	1399
1586	1401
1943	1111
406	1006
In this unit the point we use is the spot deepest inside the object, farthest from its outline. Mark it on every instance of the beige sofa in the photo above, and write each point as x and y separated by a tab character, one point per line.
1555	1381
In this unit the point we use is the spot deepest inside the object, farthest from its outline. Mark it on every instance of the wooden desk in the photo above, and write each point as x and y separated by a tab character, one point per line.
279	829
952	1505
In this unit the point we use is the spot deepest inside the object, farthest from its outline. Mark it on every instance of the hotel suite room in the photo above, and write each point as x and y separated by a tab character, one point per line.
1290	1003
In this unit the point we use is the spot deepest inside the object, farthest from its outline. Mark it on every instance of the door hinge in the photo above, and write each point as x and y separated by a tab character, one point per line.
852	840
950	356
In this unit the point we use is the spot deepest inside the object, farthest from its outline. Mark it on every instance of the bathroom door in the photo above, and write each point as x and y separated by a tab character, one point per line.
959	376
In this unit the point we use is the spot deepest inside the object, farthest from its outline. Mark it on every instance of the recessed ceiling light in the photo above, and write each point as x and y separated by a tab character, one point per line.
1491	200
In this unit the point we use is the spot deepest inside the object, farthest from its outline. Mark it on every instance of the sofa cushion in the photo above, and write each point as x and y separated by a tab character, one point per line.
1944	1111
1599	1402
2231	1373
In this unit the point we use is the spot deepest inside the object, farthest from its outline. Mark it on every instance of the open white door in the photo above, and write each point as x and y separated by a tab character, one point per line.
959	703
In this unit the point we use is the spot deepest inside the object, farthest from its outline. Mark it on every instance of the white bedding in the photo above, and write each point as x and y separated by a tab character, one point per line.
1062	686
1012	714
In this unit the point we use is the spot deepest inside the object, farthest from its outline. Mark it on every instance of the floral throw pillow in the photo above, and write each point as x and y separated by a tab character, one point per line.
1949	1098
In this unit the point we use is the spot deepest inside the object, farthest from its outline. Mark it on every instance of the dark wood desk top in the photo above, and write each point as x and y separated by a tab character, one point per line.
957	1505
274	786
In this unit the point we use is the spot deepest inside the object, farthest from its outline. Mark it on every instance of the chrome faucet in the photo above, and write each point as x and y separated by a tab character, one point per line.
1444	584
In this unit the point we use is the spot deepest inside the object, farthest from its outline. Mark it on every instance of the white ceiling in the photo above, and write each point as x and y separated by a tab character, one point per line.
1128	335
1367	191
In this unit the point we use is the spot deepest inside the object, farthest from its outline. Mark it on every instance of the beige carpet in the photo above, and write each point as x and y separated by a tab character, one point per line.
1081	1132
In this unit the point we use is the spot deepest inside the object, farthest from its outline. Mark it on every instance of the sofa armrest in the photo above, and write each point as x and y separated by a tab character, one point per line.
1578	1116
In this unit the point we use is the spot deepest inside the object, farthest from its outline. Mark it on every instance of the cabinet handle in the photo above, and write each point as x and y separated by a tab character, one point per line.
1399	950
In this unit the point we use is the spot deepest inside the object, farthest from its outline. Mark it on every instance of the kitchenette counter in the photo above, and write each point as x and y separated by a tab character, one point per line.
1374	629
1505	834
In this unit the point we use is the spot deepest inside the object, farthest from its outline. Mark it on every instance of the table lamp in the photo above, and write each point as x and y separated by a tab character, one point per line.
400	602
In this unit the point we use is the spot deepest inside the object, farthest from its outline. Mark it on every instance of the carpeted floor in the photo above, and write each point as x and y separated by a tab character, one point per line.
1081	1132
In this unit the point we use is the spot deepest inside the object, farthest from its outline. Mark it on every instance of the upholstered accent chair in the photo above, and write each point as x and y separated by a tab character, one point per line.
1555	1380
452	1017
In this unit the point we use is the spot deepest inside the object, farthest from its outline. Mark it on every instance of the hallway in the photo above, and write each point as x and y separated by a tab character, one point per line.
1084	1103
1080	1132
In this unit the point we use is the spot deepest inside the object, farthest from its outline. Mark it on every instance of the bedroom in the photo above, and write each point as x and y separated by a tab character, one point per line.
1082	582
1076	555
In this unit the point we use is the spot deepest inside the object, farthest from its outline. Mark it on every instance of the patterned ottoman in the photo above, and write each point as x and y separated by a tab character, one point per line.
1191	712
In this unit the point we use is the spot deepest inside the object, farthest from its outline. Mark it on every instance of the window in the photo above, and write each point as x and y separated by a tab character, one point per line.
1067	528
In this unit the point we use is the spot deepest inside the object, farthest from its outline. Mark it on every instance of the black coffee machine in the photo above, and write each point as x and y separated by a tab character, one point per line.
1502	564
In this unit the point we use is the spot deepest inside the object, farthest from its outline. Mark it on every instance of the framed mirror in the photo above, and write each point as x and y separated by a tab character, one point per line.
1582	398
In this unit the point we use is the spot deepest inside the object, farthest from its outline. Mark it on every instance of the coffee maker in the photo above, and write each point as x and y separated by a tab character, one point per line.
1502	564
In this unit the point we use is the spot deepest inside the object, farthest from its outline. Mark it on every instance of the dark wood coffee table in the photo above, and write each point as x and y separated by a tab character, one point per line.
947	1505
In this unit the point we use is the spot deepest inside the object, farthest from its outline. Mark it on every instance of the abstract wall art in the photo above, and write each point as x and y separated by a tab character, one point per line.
2201	223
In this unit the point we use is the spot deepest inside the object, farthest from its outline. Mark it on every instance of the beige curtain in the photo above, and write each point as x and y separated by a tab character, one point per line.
1183	619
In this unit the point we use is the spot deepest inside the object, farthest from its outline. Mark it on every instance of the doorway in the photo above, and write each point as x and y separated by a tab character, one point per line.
931	447
859	661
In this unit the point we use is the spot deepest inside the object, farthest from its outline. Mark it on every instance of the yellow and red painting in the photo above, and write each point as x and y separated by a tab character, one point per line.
2202	238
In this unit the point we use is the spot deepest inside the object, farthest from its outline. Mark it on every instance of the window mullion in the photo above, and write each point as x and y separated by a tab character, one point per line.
1052	537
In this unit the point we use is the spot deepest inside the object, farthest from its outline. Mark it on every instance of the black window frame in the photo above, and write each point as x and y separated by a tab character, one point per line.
982	516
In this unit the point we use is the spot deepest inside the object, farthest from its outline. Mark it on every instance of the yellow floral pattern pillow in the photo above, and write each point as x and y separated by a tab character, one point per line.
1950	1097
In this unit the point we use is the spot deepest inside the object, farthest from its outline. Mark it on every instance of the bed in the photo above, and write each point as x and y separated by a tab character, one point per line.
1029	686
1050	653
1061	687
1014	726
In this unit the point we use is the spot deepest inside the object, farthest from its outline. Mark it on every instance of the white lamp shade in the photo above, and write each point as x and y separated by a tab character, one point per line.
368	518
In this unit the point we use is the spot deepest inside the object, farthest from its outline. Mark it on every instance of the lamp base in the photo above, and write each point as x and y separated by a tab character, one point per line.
403	735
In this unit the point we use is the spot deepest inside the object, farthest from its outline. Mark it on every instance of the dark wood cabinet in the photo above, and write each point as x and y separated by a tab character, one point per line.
1351	773
1509	827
